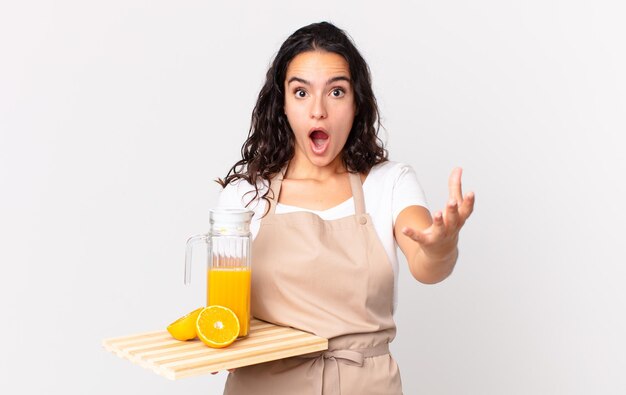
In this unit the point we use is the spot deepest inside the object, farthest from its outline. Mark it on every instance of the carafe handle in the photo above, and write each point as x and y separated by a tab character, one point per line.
189	253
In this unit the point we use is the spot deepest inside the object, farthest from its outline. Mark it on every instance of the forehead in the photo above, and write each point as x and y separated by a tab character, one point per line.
317	64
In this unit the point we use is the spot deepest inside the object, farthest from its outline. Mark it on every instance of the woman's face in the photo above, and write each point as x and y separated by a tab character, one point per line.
319	104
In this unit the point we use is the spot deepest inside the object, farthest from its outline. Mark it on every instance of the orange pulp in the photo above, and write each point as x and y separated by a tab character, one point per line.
230	287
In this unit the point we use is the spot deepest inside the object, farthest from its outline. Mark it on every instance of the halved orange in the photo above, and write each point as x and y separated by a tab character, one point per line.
217	326
184	328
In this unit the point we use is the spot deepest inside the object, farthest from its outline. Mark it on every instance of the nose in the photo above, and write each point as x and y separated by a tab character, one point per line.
318	109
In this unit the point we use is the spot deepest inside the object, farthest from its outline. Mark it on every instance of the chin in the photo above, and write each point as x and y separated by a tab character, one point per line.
322	161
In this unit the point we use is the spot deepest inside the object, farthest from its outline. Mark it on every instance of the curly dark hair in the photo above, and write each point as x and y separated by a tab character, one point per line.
270	142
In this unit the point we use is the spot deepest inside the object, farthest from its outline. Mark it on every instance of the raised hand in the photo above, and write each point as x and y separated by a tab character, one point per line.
441	238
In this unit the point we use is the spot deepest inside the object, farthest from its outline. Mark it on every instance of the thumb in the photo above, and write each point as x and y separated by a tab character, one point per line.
412	234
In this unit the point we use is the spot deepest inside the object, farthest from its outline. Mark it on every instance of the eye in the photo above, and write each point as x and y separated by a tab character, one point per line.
338	92
300	93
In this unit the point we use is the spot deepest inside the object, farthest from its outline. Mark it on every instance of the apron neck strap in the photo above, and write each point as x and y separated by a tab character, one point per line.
357	193
355	184
275	185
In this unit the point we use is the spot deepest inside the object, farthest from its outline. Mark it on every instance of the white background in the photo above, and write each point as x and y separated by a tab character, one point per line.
116	116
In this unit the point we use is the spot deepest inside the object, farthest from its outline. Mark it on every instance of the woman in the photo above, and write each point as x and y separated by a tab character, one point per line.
330	210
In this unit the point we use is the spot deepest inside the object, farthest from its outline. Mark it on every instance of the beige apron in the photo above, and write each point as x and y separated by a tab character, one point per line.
330	278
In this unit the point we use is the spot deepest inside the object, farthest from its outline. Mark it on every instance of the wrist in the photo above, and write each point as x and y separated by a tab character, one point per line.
440	255
433	268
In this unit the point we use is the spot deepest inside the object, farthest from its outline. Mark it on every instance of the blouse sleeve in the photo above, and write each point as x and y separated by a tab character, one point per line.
237	195
407	191
229	197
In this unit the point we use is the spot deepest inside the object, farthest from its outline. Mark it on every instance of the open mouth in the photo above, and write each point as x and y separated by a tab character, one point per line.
319	140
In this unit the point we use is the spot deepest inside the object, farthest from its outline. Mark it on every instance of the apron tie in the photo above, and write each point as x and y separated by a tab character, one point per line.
354	357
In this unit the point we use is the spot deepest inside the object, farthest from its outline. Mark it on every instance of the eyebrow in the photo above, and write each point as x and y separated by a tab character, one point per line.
330	81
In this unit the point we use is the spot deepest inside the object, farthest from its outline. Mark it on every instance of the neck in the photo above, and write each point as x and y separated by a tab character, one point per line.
301	168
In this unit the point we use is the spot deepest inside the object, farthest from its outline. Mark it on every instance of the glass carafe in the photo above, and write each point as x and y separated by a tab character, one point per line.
229	268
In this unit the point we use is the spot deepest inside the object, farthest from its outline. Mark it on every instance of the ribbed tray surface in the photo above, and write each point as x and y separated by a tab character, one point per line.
176	359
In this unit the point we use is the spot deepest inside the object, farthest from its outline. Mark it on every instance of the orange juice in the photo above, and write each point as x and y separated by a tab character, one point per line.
230	287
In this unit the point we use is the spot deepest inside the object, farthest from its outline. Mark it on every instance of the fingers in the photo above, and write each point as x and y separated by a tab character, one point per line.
448	223
439	227
230	370
465	204
467	207
415	236
452	218
454	185
430	235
